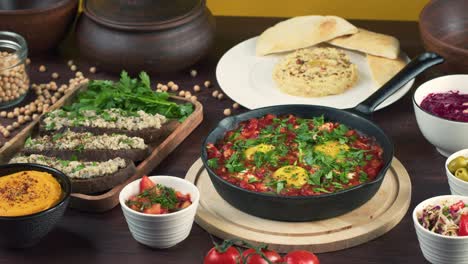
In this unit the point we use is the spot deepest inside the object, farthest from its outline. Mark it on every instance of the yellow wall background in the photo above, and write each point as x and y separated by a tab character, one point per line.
357	9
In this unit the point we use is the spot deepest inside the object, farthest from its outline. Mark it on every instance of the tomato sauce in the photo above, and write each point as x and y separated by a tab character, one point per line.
293	156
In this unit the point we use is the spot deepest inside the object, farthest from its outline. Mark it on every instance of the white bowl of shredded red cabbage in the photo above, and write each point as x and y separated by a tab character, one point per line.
441	225
441	108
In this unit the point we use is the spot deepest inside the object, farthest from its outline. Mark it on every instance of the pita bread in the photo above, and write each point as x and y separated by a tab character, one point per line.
371	43
302	32
384	69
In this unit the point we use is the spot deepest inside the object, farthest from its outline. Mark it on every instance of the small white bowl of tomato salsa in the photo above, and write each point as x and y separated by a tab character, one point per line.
159	210
441	108
441	225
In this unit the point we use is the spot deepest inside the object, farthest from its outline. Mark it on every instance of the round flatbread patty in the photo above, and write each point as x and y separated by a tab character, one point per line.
315	72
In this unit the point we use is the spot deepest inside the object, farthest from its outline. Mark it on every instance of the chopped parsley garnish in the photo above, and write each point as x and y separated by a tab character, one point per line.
213	163
78	168
234	163
28	142
57	136
126	141
64	163
363	177
165	196
50	126
80	148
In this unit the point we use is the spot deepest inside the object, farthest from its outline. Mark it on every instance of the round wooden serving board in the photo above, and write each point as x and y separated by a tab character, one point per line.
383	212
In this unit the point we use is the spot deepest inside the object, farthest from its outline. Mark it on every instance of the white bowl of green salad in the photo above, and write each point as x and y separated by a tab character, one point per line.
441	225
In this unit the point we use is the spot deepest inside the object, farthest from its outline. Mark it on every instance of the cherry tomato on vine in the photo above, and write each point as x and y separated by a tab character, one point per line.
300	257
252	257
223	254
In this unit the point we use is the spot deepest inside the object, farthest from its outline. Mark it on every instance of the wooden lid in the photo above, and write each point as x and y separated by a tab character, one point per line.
143	14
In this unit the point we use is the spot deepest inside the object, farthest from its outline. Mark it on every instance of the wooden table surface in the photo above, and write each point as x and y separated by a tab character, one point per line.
104	238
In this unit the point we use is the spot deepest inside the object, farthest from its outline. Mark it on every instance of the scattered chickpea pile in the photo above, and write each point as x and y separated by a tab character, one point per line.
171	86
14	80
47	95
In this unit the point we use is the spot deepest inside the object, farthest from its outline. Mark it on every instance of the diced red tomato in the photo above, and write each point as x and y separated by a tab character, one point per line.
183	197
154	209
146	183
360	145
374	163
457	206
227	150
244	184
306	190
350	133
292	120
212	151
378	151
326	127
260	187
250	130
185	204
371	172
266	121
463	226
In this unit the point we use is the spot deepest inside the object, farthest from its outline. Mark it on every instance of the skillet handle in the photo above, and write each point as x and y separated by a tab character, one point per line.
414	68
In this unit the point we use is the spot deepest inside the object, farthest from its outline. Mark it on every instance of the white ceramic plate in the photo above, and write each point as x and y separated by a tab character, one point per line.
247	79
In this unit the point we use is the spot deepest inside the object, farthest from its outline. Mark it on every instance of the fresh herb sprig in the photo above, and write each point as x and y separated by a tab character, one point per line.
130	95
165	196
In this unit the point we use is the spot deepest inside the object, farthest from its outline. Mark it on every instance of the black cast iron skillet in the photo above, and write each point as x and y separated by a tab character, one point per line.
307	208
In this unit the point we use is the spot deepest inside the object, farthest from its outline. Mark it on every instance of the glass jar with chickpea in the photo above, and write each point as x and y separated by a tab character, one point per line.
14	78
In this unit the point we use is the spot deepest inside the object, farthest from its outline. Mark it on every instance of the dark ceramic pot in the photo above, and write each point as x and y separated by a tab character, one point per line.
307	208
43	23
139	35
443	26
26	231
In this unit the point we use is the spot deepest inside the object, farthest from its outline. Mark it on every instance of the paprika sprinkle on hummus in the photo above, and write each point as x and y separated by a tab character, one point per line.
28	192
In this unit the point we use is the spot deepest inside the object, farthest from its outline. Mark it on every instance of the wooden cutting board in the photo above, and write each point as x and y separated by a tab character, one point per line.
378	216
159	151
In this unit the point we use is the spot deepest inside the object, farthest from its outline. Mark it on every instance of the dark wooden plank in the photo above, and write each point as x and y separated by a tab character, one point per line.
104	238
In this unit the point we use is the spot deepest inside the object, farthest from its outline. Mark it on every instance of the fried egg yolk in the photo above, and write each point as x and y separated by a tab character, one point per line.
250	152
293	175
331	148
